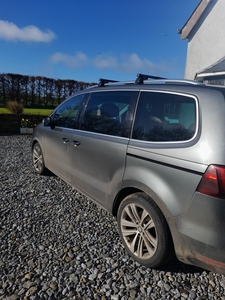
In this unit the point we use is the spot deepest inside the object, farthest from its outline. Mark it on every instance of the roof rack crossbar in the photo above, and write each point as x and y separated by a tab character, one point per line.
103	81
147	78
141	77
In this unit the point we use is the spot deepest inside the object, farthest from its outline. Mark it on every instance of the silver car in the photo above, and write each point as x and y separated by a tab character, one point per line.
152	153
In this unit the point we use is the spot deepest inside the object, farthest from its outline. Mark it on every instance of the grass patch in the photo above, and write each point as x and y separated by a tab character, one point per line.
29	111
37	111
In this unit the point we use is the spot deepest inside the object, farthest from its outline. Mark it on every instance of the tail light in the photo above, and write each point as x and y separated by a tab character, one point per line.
213	182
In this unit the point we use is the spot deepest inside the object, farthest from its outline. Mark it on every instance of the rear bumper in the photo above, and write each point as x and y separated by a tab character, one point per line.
199	254
202	233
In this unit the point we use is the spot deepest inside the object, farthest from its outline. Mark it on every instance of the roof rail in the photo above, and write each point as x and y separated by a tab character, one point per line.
141	77
183	81
103	81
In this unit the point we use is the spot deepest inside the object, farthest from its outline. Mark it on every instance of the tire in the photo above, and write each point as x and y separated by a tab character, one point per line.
144	231
38	159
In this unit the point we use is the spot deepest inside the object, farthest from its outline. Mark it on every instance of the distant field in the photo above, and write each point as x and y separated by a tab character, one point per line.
29	111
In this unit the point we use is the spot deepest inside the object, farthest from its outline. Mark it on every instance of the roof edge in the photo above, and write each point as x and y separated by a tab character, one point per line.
208	69
210	74
191	22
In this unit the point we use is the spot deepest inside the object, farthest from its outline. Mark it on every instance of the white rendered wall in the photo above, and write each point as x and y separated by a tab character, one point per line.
206	43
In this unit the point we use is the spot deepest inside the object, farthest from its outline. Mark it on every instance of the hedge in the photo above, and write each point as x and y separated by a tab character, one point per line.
10	124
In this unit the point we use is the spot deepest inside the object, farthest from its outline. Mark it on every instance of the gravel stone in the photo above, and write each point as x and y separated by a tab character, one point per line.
57	244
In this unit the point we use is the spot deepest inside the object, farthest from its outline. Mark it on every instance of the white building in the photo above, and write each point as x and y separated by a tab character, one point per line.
205	31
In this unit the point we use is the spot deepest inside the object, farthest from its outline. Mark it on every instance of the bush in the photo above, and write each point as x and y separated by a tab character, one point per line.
15	107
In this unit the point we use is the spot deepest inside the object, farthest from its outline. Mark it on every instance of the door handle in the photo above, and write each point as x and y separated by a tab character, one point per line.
65	140
76	143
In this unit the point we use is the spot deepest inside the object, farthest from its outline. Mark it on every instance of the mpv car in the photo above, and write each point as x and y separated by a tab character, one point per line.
152	153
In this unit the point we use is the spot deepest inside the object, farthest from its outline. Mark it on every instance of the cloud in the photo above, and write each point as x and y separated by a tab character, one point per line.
132	63
9	31
105	61
129	63
126	63
73	61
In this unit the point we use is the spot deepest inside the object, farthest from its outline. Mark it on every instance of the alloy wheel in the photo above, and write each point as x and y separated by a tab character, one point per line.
139	231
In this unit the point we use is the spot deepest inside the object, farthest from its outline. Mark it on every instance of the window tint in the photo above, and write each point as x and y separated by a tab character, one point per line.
164	117
67	114
106	112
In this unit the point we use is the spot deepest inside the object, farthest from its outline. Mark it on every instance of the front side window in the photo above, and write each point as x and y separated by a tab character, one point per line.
106	112
164	117
67	114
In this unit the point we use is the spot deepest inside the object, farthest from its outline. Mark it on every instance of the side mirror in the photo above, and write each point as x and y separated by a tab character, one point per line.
47	121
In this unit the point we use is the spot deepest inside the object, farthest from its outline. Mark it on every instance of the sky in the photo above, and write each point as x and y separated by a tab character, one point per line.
86	40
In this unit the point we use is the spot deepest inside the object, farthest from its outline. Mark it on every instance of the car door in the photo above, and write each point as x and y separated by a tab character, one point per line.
59	136
98	150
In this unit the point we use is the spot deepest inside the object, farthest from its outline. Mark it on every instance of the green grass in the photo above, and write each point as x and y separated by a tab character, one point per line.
29	111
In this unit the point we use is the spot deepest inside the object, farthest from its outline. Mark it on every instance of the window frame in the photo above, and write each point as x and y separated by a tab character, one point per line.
169	143
80	109
127	125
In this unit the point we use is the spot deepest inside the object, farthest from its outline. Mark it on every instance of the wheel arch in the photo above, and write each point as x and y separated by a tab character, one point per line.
35	141
120	196
164	251
126	191
132	190
38	140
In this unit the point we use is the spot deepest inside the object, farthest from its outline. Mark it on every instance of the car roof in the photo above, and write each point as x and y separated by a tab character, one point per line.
151	82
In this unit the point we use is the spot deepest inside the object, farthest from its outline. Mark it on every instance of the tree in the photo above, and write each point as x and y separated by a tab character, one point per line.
37	90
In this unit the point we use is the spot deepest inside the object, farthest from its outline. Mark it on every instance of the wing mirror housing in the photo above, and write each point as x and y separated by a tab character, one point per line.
48	122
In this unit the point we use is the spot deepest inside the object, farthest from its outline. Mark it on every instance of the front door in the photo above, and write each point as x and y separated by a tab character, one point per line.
98	150
58	138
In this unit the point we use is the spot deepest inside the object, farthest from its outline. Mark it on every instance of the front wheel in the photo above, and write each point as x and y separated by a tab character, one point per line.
38	159
144	231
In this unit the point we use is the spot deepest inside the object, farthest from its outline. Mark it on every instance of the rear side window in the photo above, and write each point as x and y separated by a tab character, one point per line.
106	112
164	117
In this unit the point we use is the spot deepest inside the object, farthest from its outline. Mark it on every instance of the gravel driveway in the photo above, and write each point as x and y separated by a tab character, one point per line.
55	244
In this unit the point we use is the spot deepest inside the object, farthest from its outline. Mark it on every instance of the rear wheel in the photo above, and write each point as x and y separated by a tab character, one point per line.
38	159
144	231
